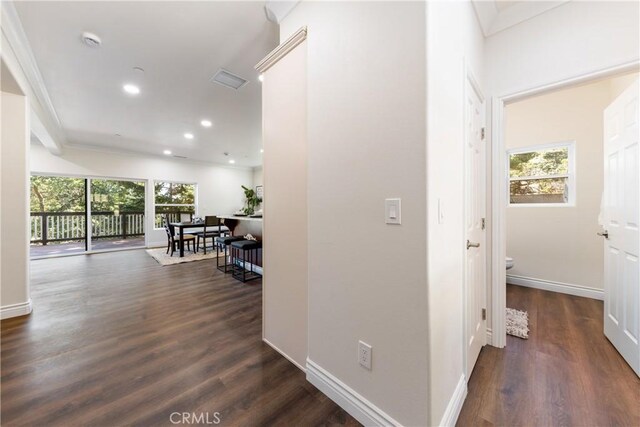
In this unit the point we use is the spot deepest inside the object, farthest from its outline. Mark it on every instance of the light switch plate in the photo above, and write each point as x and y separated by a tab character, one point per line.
392	211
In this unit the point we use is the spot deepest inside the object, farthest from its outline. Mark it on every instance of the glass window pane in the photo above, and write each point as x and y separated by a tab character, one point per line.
546	190
174	212
167	193
539	163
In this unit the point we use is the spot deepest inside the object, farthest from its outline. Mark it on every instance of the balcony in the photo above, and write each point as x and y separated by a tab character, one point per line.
60	233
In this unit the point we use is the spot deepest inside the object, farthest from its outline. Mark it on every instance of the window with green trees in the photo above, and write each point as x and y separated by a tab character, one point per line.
174	199
542	175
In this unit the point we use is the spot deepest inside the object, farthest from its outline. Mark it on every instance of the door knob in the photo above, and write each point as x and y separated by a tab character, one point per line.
472	245
604	234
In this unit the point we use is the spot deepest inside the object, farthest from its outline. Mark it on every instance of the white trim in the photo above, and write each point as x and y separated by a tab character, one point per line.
563	288
282	50
18	42
455	404
347	398
489	336
285	355
15	310
498	192
499	231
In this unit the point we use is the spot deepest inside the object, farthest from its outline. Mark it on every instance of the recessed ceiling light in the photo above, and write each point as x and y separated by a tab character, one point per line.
91	39
261	77
232	161
167	152
131	89
188	135
206	123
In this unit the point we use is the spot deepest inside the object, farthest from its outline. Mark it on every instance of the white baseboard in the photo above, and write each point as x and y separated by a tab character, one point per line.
563	288
285	355
455	404
15	310
489	336
357	406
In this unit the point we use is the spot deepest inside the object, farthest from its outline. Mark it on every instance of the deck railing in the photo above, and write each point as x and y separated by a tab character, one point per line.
65	226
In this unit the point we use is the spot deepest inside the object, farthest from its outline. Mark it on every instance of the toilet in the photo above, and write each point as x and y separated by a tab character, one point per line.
509	263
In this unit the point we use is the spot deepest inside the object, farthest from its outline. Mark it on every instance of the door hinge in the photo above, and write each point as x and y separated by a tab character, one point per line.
484	314
482	133
484	223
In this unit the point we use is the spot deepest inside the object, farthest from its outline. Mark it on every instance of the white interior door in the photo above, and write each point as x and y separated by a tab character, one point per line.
475	192
621	221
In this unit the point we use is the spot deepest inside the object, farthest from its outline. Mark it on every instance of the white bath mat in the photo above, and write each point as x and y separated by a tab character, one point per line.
518	323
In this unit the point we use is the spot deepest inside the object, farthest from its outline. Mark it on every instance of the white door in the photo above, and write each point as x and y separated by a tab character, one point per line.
475	193
621	221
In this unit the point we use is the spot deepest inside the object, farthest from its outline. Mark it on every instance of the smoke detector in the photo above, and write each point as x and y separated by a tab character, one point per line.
91	39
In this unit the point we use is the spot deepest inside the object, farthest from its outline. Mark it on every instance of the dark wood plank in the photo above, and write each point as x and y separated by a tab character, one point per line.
116	339
566	373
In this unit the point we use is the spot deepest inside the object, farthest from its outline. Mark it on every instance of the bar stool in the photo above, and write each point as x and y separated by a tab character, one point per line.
249	250
225	241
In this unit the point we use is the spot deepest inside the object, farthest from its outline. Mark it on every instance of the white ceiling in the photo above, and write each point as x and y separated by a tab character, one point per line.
498	15
180	45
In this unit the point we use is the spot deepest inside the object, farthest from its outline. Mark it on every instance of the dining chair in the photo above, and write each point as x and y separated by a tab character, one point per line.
173	241
210	231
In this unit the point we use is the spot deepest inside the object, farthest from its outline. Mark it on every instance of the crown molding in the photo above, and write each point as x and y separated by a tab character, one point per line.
16	39
281	51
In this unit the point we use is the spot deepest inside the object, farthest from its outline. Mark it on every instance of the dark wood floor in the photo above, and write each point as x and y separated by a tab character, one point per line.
566	374
116	339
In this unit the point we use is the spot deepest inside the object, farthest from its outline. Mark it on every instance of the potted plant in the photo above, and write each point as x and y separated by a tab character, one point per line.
252	200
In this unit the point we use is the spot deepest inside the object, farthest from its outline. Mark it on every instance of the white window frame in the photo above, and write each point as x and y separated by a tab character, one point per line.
173	181
570	175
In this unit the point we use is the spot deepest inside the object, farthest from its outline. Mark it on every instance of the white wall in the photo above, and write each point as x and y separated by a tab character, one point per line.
285	261
366	142
219	189
559	244
577	38
14	217
257	176
454	39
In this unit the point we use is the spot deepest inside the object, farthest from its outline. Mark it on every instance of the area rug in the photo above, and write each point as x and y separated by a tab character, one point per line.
518	323
163	258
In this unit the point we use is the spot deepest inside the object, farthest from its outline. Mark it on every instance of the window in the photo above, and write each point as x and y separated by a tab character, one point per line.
542	175
176	199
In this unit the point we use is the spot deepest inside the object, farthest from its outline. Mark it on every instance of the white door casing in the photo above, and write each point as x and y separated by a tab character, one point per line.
621	222
475	214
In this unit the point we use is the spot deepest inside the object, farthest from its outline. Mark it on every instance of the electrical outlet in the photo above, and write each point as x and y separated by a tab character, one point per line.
364	354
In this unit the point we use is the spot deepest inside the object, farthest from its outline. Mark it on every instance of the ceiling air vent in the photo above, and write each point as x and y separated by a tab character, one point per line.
179	157
230	80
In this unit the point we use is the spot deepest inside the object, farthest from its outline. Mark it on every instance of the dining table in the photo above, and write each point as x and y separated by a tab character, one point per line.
181	226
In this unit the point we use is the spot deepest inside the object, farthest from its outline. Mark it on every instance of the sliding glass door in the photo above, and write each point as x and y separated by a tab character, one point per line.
63	209
58	215
117	214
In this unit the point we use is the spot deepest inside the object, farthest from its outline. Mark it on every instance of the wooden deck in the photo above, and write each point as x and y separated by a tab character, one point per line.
78	247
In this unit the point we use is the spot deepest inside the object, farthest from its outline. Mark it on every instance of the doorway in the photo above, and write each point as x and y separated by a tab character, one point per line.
76	215
554	200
